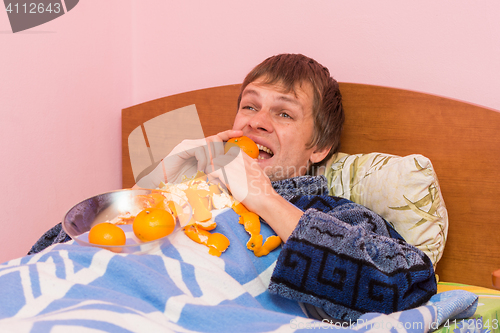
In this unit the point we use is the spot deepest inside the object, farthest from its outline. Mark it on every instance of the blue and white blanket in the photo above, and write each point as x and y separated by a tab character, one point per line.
180	288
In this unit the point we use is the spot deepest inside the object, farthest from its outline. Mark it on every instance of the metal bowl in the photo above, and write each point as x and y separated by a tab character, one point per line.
105	207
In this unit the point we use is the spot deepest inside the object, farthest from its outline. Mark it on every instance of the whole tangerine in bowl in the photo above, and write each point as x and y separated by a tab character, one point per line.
153	223
107	234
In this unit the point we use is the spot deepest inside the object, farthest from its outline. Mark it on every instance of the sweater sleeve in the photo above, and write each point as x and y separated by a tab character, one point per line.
347	260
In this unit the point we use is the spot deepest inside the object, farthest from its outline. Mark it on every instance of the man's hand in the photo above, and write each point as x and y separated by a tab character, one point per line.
243	176
249	185
187	158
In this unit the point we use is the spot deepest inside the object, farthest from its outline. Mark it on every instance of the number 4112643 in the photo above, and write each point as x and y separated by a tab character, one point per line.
473	323
34	8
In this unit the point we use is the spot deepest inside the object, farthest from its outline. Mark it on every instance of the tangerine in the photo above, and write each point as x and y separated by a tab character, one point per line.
153	223
245	143
107	234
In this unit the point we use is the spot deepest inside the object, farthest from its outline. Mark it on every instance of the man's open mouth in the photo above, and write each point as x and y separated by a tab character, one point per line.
264	152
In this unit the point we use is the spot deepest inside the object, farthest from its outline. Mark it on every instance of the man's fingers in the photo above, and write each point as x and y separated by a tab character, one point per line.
226	135
181	158
218	148
201	154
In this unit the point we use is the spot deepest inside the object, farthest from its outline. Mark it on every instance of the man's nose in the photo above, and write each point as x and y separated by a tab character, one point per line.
261	120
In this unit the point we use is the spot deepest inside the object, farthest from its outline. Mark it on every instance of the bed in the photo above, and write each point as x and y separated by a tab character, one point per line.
455	144
459	138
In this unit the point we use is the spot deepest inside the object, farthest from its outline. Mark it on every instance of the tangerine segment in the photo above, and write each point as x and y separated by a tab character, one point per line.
270	244
107	234
153	223
245	143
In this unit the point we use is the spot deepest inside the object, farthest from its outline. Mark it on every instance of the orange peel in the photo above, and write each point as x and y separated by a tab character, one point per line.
251	223
196	234
205	225
214	189
217	244
203	197
200	211
239	208
271	243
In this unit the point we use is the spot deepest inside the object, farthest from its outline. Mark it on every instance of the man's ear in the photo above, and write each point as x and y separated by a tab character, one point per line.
319	154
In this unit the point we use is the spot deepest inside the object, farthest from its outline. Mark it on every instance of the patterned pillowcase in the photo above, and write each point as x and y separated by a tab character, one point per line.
403	190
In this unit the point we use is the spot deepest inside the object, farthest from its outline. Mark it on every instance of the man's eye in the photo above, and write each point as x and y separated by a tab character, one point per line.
251	108
285	115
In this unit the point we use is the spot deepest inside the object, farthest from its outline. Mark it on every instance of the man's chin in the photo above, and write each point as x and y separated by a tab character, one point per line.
266	164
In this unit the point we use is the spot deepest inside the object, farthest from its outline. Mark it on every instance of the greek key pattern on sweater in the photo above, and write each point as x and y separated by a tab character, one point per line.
347	260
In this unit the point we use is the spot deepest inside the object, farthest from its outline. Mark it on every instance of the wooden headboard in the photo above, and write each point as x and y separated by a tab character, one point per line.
461	140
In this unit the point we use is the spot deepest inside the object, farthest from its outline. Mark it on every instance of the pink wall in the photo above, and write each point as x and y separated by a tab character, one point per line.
448	47
63	84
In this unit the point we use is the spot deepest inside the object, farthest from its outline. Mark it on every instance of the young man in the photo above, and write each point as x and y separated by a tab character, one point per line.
339	259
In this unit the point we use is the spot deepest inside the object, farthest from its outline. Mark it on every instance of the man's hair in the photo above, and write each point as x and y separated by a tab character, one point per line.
290	71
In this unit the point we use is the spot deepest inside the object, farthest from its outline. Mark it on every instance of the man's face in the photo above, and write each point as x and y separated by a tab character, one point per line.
282	125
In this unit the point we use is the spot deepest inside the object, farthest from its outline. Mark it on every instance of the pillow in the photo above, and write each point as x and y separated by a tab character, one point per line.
403	190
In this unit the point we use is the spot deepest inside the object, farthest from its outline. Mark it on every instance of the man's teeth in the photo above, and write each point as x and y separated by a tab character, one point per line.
265	149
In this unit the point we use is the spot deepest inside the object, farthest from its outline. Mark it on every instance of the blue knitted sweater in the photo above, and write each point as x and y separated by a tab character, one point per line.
346	260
